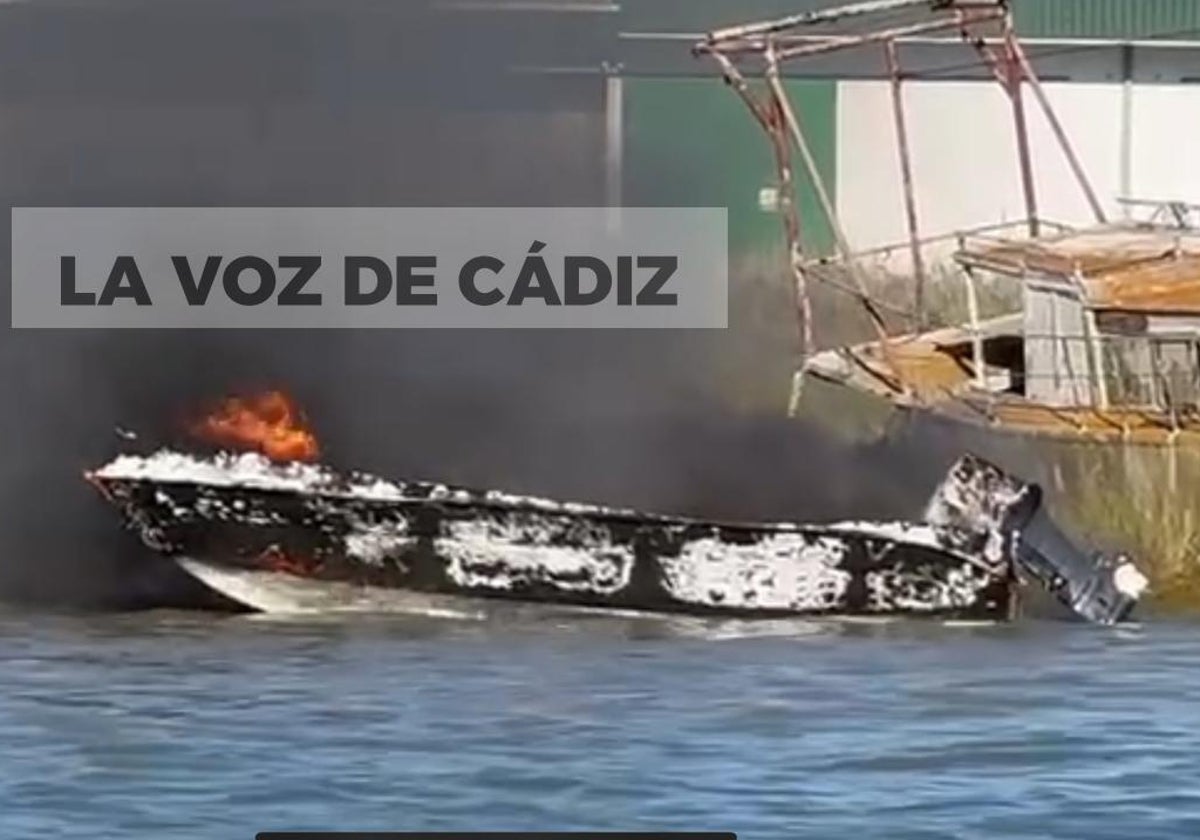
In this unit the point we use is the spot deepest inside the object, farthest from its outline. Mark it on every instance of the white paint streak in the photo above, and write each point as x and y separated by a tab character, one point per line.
504	556
905	532
249	470
374	543
784	571
949	589
500	497
254	471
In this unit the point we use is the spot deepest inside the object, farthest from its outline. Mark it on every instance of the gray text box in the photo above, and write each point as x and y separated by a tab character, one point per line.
123	268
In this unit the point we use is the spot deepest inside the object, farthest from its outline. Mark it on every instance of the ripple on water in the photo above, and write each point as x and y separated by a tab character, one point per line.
207	727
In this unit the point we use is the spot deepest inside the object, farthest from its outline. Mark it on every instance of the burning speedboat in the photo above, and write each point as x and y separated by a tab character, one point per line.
290	535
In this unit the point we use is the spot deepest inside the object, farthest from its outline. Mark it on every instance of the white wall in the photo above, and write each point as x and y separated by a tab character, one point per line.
1166	142
965	160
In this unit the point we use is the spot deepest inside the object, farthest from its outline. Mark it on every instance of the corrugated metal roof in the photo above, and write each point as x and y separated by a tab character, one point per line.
1117	19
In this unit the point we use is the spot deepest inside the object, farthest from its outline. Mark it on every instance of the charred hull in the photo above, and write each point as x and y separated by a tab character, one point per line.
242	515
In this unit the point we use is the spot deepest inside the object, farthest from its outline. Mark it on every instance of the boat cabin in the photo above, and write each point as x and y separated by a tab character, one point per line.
1111	315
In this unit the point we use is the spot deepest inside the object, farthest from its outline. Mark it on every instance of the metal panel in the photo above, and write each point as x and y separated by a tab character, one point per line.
1072	357
1058	364
655	37
1119	19
1039	346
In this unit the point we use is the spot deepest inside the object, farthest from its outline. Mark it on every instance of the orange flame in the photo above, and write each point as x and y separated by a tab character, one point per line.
268	423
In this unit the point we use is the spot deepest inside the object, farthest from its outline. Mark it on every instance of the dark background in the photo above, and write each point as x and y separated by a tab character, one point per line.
360	104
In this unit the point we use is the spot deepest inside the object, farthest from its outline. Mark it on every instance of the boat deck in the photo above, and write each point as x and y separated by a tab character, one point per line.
933	371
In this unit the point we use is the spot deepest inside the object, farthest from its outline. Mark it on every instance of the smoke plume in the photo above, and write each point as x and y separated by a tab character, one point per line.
359	104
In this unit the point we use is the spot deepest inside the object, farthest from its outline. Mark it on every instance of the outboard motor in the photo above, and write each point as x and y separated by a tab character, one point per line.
1098	588
1001	519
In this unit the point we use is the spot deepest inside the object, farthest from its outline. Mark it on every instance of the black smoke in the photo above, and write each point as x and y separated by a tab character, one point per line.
357	104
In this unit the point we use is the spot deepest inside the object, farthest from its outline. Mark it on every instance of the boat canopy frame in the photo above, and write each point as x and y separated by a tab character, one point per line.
760	49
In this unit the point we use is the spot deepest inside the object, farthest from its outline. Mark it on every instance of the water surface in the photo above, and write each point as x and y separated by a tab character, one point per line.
201	726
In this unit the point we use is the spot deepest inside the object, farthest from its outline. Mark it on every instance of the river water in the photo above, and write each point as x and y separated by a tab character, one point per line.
172	725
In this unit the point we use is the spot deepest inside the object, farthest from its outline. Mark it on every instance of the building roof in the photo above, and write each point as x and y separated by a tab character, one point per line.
1130	268
1119	20
1116	19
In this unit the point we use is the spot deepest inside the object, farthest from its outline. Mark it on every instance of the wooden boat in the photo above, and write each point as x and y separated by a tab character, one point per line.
1105	343
1104	349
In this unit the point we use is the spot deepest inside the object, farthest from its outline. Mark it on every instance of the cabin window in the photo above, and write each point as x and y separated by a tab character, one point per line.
1129	370
1154	372
1174	363
1135	359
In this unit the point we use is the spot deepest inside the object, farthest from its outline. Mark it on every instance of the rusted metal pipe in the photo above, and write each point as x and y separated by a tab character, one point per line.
1013	73
1022	60
818	16
792	233
978	232
810	164
735	79
977	359
780	96
959	20
910	199
771	123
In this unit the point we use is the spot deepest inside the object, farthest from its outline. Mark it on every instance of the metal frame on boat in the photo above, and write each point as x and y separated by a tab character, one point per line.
1107	344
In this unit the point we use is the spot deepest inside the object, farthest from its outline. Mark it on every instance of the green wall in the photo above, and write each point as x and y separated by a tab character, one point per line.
1119	19
691	142
1035	18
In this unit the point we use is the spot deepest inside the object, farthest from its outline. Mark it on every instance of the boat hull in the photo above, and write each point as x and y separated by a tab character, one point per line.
339	541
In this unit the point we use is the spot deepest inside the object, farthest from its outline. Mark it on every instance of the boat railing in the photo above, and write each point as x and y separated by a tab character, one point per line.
1155	373
988	232
1181	214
